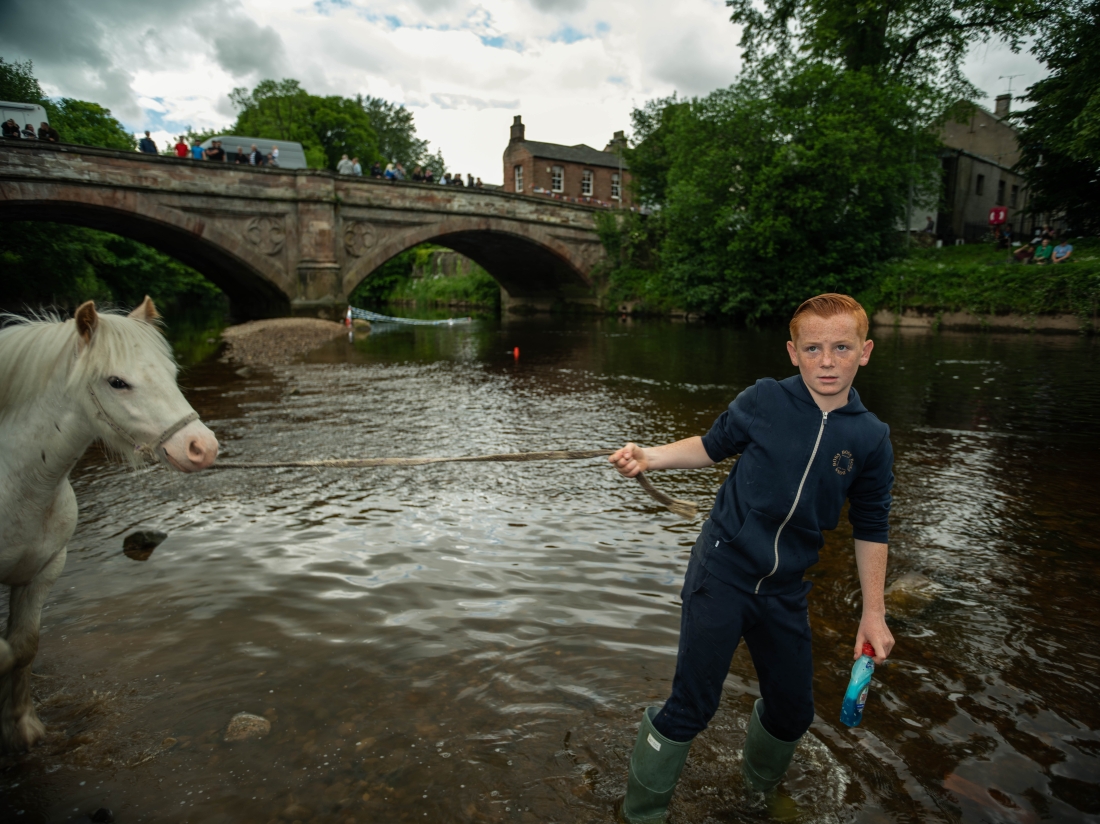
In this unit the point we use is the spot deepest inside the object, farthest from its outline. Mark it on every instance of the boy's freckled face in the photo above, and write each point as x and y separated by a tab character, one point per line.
828	352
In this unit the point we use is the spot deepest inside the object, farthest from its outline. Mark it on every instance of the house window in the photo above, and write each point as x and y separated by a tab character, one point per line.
519	178
1015	196
557	179
979	189
586	183
1000	193
616	188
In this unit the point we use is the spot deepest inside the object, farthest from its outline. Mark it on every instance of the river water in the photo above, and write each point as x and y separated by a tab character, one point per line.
474	643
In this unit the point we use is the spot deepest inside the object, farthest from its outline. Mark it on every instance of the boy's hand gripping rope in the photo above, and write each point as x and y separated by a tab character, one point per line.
685	509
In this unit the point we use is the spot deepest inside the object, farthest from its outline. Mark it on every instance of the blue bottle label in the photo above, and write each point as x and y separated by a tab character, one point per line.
861	702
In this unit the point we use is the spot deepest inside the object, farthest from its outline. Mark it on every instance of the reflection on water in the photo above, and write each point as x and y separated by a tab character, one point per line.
475	642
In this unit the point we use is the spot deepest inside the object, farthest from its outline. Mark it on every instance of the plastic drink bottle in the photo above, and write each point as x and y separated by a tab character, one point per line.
855	697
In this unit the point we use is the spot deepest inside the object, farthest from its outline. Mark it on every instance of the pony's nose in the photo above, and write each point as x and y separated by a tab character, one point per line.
202	451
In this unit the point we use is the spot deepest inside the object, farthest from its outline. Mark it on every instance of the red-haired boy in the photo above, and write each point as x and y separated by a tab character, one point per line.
807	444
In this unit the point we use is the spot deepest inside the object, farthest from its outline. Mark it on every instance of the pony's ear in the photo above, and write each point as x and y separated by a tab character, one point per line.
147	312
86	321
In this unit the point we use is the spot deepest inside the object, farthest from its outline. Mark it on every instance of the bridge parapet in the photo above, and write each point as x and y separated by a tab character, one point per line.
296	240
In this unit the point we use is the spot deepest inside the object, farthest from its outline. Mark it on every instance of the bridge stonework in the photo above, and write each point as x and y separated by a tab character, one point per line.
279	241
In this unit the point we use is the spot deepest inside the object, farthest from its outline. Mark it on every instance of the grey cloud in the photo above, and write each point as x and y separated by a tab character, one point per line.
92	50
245	48
552	6
691	67
465	101
435	5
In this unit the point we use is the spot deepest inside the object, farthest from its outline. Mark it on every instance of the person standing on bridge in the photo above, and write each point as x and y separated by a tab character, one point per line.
49	133
146	145
807	444
182	149
356	168
344	166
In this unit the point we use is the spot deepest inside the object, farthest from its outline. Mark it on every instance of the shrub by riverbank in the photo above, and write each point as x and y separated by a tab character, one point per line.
394	282
984	280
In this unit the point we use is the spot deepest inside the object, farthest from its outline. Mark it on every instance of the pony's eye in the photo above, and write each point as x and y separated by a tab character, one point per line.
117	383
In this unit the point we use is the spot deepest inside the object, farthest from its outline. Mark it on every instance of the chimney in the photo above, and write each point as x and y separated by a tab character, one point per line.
1003	104
617	142
517	129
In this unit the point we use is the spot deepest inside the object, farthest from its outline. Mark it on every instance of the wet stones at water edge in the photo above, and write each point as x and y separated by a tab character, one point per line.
245	726
139	545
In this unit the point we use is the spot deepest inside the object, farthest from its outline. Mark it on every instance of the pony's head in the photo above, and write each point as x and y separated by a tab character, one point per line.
126	376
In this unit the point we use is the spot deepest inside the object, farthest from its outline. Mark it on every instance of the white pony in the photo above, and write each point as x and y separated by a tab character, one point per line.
62	386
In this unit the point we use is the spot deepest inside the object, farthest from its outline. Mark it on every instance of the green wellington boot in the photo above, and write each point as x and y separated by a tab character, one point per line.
655	767
766	758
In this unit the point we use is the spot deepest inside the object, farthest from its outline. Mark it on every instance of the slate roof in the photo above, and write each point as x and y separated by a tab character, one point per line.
580	153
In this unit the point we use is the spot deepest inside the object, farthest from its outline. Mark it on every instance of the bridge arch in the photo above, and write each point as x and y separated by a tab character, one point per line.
532	267
240	273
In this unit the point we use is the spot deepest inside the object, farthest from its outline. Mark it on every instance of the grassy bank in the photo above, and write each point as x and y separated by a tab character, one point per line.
984	280
393	282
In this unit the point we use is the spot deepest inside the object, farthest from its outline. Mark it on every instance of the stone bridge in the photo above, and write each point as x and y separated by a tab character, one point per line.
280	241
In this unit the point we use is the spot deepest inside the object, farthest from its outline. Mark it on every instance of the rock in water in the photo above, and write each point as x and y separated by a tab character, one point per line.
245	726
910	593
139	545
102	816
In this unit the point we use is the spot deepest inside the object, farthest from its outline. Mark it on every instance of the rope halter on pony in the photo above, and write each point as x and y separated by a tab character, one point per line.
151	447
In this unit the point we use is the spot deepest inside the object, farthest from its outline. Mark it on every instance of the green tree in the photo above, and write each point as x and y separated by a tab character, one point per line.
89	124
789	183
1060	138
397	140
327	127
920	42
18	83
77	121
49	264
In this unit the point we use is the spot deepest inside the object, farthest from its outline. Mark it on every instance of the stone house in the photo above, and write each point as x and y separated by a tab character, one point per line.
575	173
977	159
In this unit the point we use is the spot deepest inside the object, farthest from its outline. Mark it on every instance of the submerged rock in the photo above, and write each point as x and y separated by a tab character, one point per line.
911	592
245	726
102	816
139	545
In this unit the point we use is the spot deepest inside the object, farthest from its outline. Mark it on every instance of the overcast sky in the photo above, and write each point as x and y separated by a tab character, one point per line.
572	68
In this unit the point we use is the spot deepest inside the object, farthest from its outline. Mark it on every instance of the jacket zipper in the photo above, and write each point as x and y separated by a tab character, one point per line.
797	496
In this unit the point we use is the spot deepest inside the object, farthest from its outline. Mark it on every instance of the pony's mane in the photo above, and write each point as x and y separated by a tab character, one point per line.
37	350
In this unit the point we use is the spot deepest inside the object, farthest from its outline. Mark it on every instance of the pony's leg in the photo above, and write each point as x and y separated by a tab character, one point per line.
20	728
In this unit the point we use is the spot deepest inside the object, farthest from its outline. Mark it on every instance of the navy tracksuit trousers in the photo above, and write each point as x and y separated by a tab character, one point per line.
715	617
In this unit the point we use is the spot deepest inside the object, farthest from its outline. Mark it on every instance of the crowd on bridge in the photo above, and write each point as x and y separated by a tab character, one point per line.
396	172
45	133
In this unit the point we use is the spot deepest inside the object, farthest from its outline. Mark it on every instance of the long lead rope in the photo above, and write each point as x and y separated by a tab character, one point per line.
685	509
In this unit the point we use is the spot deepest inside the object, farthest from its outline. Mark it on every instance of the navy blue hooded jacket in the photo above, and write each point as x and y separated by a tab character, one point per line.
797	466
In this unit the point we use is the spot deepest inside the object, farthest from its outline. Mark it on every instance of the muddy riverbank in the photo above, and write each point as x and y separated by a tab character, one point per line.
278	340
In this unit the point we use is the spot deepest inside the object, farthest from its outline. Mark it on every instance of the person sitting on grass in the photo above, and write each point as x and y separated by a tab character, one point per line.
1061	252
1045	250
1025	254
807	445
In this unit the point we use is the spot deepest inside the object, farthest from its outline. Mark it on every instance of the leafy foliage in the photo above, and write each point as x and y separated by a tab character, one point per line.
392	282
89	124
1060	138
18	83
327	127
397	140
984	280
77	121
787	184
918	42
49	264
